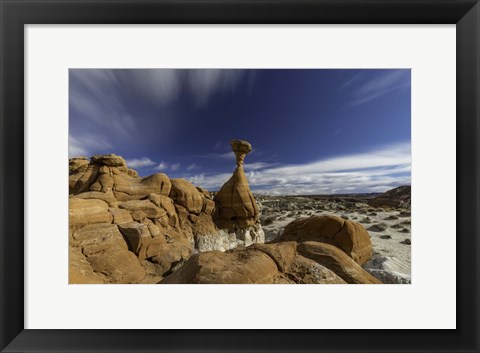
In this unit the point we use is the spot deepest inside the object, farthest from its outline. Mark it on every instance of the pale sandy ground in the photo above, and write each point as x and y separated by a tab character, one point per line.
389	230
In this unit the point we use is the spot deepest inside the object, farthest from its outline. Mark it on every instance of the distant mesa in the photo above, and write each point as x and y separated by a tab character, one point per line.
398	197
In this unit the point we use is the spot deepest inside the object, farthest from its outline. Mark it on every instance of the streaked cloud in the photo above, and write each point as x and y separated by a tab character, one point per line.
219	145
376	170
193	166
258	165
102	98
203	84
140	162
378	86
165	166
95	96
162	166
225	155
87	145
351	80
156	113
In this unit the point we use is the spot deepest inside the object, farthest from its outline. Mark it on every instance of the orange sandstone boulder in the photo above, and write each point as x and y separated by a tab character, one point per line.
306	271
186	194
140	239
348	236
166	204
282	253
108	197
172	254
80	271
259	263
120	216
214	267
76	165
110	160
150	210
162	247
127	187
87	211
99	253
337	261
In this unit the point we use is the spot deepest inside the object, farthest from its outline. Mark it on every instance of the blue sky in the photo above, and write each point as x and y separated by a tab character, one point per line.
312	131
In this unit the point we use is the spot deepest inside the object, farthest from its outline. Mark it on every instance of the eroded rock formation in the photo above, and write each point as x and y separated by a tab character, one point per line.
259	263
284	262
236	208
351	237
106	173
126	229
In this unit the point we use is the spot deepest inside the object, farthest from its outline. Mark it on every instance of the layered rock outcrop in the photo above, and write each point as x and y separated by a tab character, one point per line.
99	254
259	263
276	263
337	261
236	208
127	229
105	173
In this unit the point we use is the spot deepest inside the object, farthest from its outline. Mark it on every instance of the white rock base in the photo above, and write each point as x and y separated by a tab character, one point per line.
223	241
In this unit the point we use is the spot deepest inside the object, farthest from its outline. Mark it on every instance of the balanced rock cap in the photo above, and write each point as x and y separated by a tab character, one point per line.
110	160
241	148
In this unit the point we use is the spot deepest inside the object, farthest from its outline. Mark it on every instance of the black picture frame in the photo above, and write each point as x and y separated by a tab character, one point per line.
15	14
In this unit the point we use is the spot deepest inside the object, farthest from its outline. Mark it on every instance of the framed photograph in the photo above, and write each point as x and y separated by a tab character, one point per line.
242	176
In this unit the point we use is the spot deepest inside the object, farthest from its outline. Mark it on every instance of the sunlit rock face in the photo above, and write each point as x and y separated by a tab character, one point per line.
236	208
128	229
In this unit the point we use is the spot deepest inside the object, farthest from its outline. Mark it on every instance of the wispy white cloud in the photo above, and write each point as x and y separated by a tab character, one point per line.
258	165
222	146
76	148
377	87
376	170
140	162
351	80
102	97
231	156
193	167
205	83
164	166
95	95
226	155
214	181
87	145
218	145
159	86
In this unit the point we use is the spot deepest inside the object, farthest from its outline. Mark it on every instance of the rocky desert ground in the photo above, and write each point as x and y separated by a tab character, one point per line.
129	229
386	217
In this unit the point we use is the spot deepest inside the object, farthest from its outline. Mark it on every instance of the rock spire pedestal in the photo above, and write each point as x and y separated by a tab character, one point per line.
236	208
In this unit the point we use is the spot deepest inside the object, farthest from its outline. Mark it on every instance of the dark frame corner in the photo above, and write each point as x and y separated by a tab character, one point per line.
17	13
